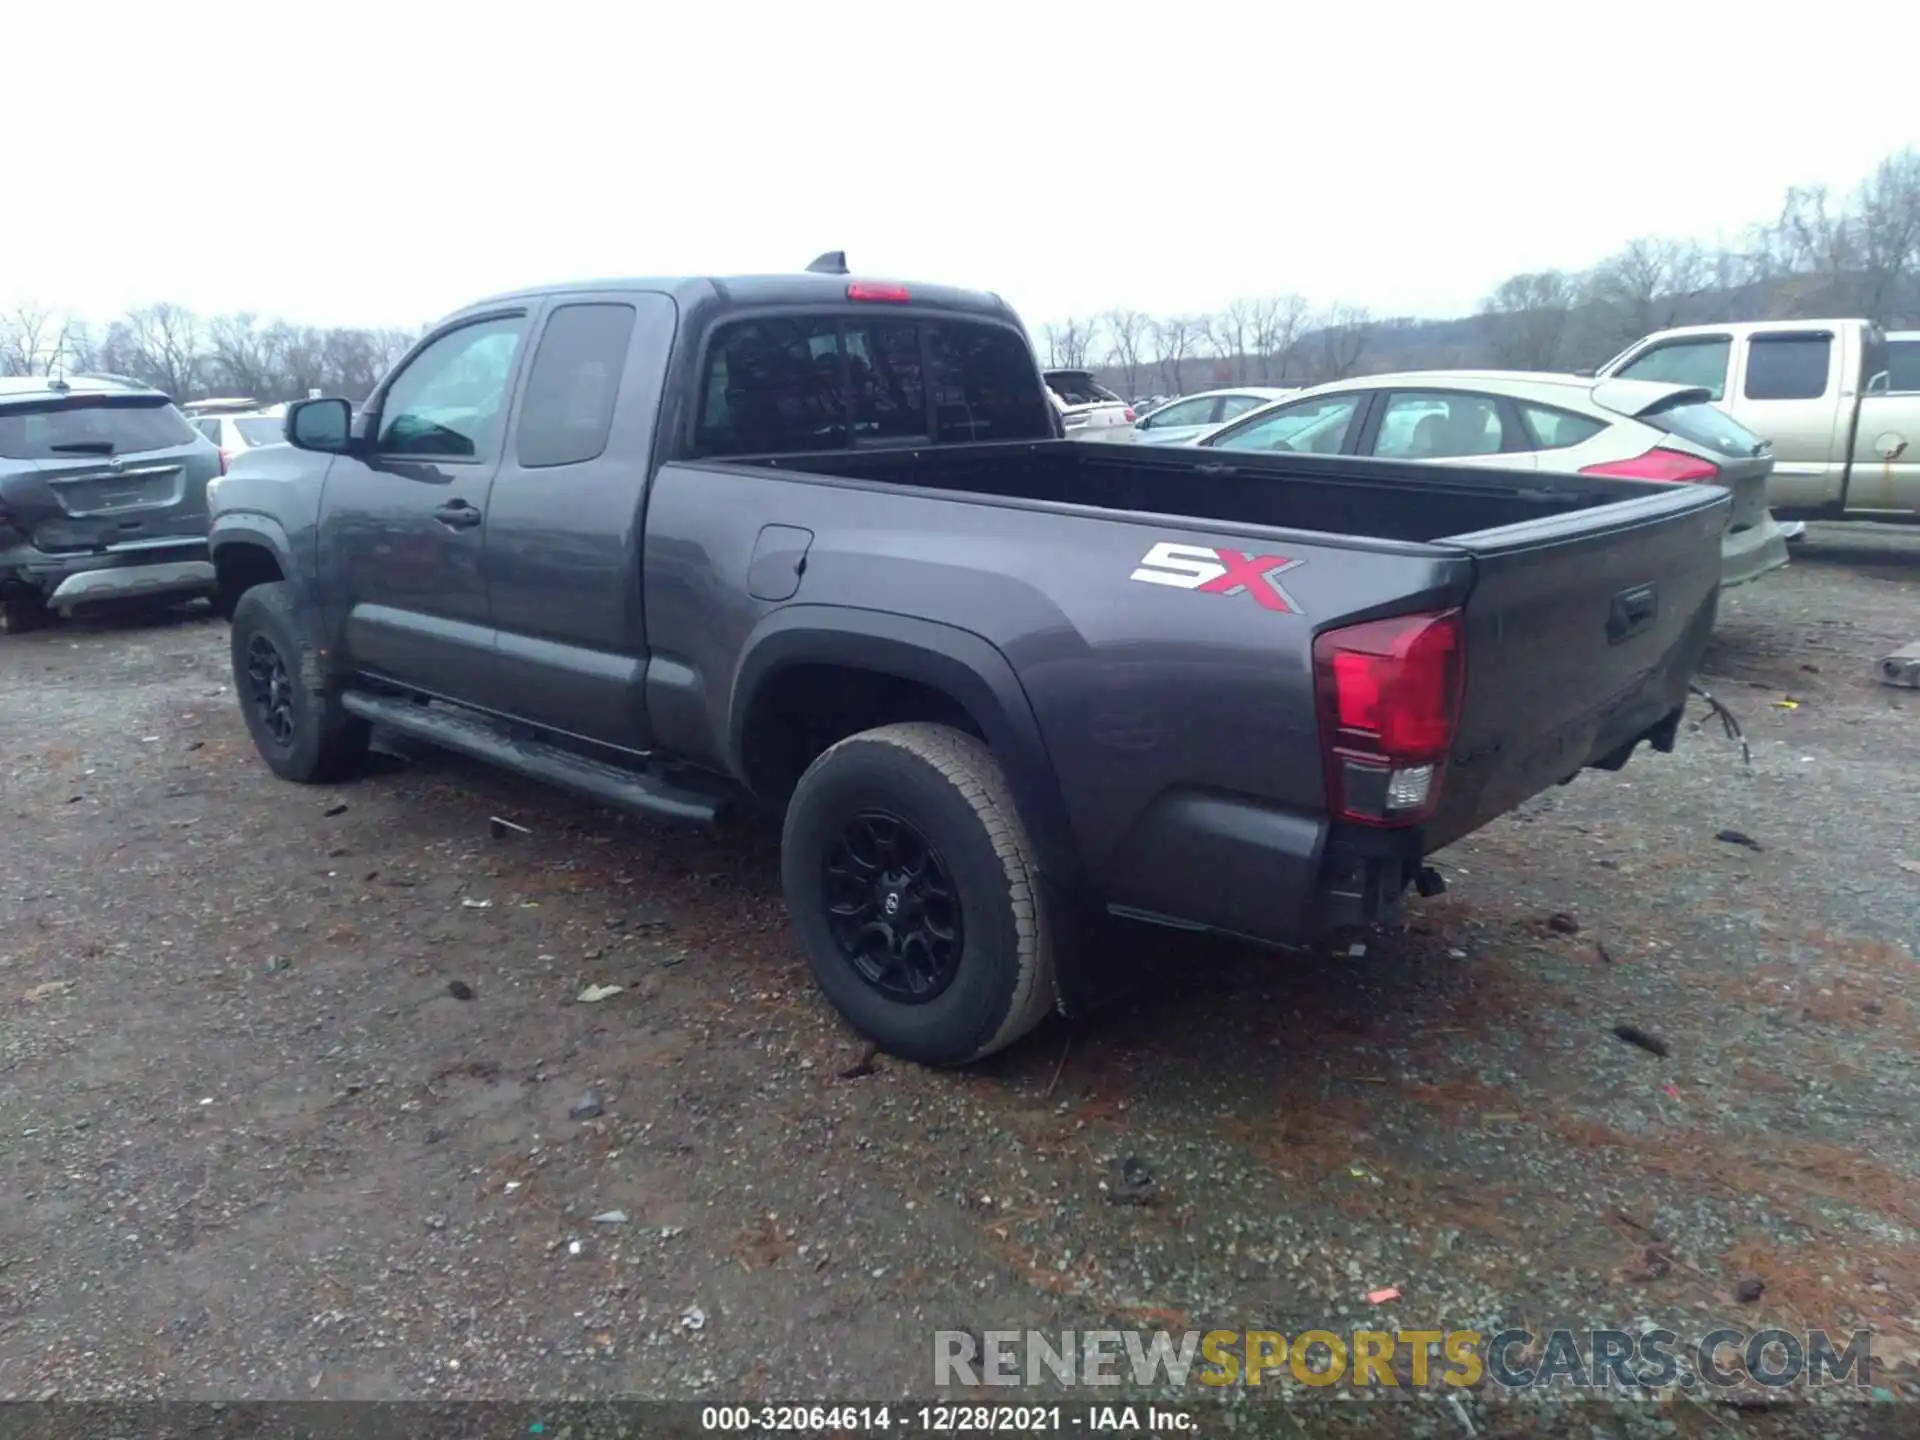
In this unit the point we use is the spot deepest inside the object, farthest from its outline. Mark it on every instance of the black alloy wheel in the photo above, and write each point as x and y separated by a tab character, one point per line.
270	689
893	908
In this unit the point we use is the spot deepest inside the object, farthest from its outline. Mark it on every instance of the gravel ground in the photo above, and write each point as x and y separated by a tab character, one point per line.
299	1098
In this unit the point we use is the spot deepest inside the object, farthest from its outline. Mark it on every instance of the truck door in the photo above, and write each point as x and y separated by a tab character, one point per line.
563	528
1885	474
1790	387
400	525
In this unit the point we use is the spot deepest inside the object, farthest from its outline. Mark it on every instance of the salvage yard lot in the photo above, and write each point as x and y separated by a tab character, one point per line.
254	1143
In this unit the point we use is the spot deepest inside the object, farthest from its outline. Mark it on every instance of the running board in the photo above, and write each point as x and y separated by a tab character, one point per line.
493	742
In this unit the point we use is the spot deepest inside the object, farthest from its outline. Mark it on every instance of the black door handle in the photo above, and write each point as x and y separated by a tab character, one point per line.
457	515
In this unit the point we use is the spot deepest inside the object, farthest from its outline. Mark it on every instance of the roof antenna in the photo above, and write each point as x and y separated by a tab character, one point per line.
834	262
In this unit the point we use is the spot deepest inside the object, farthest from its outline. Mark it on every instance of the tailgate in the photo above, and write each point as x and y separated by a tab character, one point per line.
1582	634
97	503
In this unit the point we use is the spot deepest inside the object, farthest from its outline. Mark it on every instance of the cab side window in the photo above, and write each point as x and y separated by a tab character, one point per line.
450	400
573	385
1788	367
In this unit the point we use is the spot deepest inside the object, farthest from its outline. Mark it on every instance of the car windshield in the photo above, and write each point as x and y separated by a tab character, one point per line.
63	429
261	432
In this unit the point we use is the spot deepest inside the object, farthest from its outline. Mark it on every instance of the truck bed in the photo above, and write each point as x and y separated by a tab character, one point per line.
1329	495
1178	726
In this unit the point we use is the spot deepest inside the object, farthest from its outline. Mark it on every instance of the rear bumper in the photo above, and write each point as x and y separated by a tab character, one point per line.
66	582
1752	553
1232	866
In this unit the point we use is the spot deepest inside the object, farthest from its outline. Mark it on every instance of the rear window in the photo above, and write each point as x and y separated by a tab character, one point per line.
63	429
1556	429
262	432
1704	425
794	384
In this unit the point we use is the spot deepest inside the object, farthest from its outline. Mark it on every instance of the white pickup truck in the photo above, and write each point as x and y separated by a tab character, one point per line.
1838	399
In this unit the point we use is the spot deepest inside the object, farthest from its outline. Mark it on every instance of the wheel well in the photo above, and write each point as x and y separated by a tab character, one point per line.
239	567
805	708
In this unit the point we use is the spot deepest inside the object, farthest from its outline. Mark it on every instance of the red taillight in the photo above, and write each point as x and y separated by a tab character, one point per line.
870	290
225	456
1389	693
1129	414
1659	464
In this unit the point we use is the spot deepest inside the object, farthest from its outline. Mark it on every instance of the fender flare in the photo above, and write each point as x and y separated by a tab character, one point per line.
246	527
943	657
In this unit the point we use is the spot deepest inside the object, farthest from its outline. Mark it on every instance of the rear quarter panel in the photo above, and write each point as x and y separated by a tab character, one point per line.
1139	688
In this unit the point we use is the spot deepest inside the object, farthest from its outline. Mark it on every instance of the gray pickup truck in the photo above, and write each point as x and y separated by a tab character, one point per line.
817	545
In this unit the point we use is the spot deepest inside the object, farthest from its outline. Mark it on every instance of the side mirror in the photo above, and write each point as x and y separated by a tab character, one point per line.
325	426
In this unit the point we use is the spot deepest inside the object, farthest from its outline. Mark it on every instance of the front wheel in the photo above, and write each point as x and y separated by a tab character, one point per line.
292	711
912	885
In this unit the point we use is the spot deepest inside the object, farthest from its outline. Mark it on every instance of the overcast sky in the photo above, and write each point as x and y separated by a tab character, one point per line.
347	163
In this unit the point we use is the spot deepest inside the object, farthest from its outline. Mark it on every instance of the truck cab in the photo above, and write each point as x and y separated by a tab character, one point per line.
1821	391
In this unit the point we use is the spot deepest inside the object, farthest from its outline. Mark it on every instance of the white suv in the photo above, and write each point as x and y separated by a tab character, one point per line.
1086	405
237	430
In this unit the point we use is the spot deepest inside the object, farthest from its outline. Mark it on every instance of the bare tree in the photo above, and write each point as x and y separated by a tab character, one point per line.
1527	319
1230	335
1646	287
1885	239
1070	344
241	355
1276	326
163	345
1128	335
36	340
1345	331
1174	341
1810	259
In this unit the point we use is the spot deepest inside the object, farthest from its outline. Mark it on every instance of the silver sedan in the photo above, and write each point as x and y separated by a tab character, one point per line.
1191	416
1520	420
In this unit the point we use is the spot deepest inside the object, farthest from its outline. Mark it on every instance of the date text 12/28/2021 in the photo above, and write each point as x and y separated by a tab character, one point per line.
945	1419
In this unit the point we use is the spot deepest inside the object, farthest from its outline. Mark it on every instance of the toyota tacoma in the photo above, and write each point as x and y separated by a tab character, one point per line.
818	544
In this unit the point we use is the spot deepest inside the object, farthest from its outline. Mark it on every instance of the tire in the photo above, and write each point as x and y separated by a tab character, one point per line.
21	613
313	740
976	878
